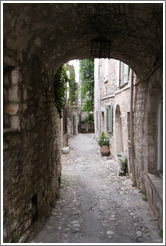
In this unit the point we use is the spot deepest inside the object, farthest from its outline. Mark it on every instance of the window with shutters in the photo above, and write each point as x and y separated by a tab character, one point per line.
109	118
122	74
126	74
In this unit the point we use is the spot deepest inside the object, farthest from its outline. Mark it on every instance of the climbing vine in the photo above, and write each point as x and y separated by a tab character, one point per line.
60	81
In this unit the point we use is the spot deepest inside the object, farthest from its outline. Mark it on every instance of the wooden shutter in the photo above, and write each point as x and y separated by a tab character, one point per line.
126	73
111	119
107	118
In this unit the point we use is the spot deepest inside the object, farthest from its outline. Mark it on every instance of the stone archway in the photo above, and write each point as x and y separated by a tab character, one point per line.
39	38
119	132
41	31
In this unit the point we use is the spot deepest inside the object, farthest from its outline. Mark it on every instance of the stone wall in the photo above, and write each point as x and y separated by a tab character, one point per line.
147	123
31	150
69	123
147	143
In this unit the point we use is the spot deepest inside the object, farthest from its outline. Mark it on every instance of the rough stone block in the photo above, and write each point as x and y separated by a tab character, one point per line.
15	122
14	76
65	150
5	146
12	109
5	95
6	79
25	94
9	60
13	94
14	226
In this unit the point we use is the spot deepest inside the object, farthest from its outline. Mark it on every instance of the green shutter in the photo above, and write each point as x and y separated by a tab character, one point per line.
107	118
126	73
111	119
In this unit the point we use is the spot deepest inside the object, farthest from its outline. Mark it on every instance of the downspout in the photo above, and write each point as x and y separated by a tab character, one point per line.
132	164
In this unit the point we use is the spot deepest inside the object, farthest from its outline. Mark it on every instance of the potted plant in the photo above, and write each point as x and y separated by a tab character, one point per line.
124	166
104	144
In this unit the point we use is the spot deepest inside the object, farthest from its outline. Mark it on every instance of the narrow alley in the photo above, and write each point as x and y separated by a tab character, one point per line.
95	204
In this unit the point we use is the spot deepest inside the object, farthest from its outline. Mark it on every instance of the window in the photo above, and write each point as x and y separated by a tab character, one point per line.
109	118
126	74
122	73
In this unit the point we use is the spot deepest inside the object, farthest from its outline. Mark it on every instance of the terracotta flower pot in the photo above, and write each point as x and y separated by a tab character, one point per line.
105	150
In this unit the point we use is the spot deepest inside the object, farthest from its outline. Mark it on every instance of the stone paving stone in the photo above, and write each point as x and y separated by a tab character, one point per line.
97	205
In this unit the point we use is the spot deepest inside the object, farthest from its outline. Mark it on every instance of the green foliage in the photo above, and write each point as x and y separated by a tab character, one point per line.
87	85
90	118
144	195
87	105
124	167
82	121
103	140
161	233
60	81
72	84
59	180
57	194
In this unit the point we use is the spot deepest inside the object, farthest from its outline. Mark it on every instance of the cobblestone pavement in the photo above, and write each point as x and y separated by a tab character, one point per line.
96	204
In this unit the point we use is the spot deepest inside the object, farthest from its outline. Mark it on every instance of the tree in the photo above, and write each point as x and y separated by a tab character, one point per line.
87	85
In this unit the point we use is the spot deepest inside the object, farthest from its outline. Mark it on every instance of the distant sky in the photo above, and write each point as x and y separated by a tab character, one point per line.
75	63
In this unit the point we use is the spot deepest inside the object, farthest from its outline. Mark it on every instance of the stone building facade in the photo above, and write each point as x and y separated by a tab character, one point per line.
126	113
69	122
31	149
37	39
71	111
112	103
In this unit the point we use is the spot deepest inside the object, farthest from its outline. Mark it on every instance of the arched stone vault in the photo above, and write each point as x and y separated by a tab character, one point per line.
61	32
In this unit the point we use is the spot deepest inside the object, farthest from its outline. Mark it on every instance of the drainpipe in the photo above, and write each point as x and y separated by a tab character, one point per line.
132	164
